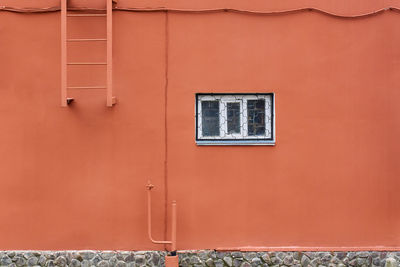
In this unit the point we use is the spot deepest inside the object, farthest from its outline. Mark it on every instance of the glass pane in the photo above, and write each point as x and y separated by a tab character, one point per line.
233	114
210	118
256	117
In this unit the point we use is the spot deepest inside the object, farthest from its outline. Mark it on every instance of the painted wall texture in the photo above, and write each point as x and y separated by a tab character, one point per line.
74	178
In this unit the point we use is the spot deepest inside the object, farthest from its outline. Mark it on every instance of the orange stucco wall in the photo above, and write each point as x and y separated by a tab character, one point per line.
73	178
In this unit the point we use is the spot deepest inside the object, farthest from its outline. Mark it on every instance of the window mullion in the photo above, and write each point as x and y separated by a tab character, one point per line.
244	117
222	121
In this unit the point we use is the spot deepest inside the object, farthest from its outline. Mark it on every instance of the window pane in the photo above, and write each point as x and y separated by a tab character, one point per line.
256	117
233	114
210	118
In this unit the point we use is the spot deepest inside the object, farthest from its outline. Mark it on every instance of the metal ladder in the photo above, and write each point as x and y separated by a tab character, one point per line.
65	100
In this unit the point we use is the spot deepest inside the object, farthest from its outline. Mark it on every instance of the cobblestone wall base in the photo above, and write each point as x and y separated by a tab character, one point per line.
199	258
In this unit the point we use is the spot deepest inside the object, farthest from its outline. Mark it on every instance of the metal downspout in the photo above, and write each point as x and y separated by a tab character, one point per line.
170	261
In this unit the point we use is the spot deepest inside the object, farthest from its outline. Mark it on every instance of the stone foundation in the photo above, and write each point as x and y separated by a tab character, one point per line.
283	259
201	258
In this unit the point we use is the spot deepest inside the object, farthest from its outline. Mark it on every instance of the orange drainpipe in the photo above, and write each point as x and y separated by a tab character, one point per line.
170	261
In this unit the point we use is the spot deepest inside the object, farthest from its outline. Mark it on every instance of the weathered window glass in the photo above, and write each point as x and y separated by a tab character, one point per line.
210	118
256	117
233	117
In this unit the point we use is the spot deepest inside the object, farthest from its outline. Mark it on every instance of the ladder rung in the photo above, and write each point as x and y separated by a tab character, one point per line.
86	15
85	40
87	87
87	63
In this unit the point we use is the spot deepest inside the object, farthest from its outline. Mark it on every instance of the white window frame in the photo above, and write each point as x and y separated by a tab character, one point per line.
242	138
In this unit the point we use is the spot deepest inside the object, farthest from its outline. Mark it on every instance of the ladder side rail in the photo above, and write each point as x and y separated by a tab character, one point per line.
109	54
63	53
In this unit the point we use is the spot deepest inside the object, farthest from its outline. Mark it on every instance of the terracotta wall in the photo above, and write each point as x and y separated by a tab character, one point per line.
73	178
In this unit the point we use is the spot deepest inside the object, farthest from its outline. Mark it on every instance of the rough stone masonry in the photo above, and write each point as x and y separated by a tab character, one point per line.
199	258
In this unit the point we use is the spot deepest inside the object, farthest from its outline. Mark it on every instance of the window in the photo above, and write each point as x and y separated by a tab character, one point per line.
235	119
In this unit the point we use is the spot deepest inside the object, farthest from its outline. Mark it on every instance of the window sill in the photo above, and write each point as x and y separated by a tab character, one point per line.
236	143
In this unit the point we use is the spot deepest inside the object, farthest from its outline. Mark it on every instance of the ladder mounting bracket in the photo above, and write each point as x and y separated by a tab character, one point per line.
113	102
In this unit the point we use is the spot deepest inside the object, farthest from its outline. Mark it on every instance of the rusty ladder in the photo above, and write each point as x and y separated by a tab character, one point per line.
65	100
